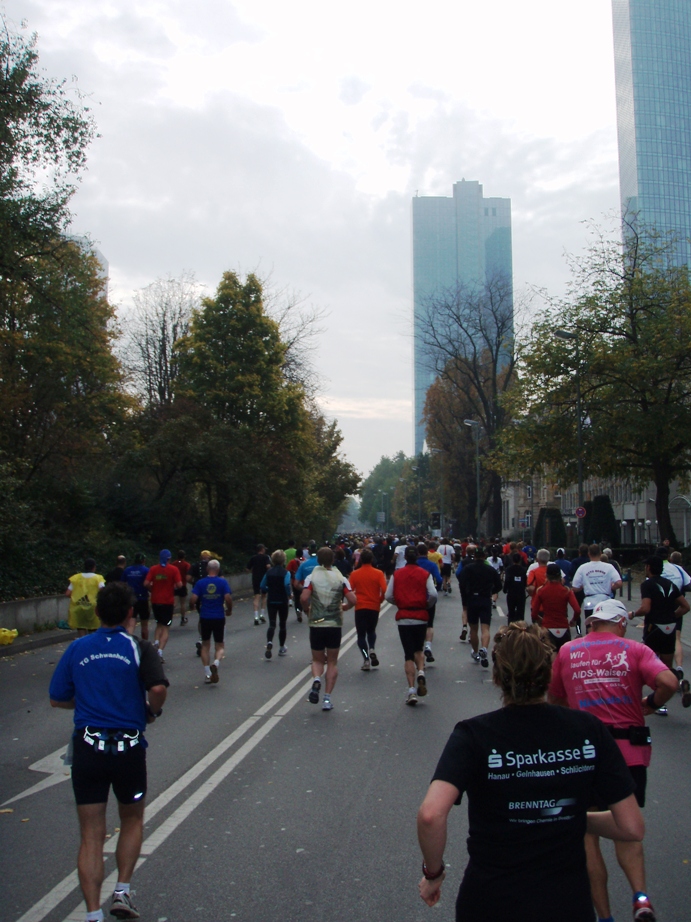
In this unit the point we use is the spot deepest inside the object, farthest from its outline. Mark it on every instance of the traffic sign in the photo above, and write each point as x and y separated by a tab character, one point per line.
580	512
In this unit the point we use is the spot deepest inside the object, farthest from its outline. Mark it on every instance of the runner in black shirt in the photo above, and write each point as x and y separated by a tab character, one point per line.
531	771
514	587
257	566
661	605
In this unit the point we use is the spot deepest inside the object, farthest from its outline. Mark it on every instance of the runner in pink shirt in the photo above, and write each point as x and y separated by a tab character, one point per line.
604	673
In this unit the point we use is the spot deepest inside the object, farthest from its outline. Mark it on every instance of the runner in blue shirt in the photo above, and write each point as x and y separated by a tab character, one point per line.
216	604
106	677
134	576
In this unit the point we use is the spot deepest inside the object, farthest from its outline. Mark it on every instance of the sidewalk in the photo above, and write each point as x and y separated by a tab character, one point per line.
38	639
34	641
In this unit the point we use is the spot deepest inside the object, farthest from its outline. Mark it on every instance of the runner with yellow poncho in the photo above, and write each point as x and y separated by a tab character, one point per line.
82	593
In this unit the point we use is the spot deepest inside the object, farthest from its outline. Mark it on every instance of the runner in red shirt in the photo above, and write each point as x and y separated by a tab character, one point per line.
163	579
549	607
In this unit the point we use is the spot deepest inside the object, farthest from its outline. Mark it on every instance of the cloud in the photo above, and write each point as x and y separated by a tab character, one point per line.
232	140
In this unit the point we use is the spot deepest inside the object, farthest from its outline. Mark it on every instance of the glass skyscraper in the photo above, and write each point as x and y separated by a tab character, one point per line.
652	52
460	240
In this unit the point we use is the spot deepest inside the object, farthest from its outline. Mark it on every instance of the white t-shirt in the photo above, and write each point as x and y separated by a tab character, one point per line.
447	555
596	578
399	555
677	574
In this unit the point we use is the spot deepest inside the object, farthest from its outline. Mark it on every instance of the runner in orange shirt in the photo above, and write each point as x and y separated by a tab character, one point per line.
369	586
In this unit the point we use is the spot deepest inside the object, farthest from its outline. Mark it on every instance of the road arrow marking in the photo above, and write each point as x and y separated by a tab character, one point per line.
51	765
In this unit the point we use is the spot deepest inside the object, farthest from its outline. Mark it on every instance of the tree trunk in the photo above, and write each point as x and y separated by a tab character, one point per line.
664	520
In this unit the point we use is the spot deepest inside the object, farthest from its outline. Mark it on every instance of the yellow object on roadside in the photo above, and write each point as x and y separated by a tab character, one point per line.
7	636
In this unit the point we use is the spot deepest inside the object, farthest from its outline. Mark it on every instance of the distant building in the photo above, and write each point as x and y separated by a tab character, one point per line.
460	240
652	54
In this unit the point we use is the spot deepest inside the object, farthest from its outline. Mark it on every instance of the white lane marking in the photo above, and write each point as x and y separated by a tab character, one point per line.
54	766
61	891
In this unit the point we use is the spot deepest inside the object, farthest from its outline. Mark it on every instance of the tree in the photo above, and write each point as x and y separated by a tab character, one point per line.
550	530
60	384
377	489
160	317
470	344
630	309
45	130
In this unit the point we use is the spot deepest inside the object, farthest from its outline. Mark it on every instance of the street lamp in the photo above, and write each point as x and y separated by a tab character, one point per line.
383	513
475	426
567	334
405	503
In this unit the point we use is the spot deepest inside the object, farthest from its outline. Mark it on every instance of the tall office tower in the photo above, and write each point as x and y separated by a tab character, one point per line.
652	53
460	240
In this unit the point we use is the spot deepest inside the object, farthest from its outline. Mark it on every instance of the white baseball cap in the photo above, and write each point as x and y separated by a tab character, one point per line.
609	610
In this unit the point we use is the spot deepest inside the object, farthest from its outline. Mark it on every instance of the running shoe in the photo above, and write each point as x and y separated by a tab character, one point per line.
299	614
207	680
282	651
662	712
685	693
464	634
373	659
483	657
421	685
122	907
429	656
678	672
214	675
198	645
313	697
411	699
267	652
327	705
262	619
475	657
642	909
366	665
183	621
256	620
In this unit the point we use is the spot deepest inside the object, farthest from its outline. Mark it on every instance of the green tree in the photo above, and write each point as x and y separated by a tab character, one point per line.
630	309
44	133
378	488
60	384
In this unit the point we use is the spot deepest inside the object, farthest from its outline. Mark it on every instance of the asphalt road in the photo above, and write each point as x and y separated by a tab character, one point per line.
262	807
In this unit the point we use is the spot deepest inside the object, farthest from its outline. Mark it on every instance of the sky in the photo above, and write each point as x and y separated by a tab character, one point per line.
289	139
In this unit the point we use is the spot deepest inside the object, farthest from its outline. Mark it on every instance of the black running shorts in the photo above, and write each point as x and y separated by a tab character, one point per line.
163	614
639	773
141	610
432	612
446	569
181	593
325	638
413	638
479	610
658	641
215	626
94	772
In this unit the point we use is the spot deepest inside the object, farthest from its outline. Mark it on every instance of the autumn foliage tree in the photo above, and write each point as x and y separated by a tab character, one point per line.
470	343
630	308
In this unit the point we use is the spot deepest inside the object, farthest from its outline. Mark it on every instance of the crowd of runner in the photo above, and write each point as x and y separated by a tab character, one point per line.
364	572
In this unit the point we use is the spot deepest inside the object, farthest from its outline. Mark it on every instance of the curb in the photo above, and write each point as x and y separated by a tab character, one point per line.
36	641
